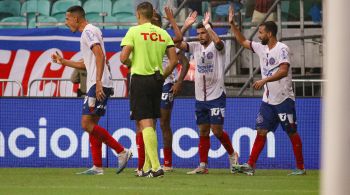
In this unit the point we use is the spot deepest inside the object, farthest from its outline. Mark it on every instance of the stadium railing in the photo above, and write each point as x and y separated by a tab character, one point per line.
60	87
4	82
47	87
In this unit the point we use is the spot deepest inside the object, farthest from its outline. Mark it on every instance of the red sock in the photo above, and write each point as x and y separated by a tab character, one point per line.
168	156
96	151
225	141
140	150
258	146
298	150
204	146
102	135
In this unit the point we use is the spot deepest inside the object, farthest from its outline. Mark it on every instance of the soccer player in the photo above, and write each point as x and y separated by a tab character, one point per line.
209	54
148	44
278	103
171	87
99	87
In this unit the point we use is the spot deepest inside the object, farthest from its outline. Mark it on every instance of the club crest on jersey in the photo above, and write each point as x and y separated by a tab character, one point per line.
272	61
210	55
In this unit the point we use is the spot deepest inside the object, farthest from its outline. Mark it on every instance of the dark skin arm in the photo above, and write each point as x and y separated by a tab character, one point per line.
185	66
170	17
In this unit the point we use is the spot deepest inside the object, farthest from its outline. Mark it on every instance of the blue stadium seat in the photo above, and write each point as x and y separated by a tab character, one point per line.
14	19
9	8
31	7
42	19
60	7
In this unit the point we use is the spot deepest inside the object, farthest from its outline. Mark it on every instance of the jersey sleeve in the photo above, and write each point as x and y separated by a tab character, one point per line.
256	47
284	55
128	39
90	38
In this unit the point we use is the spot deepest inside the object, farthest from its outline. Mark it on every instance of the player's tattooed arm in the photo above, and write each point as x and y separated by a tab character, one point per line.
239	36
57	58
213	36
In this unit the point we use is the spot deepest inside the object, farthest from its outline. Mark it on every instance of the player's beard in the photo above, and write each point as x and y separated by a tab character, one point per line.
203	41
264	41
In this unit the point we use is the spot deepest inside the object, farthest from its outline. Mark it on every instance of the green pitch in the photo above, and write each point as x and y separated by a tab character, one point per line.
35	181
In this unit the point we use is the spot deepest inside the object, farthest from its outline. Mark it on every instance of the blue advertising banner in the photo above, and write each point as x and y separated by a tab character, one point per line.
47	133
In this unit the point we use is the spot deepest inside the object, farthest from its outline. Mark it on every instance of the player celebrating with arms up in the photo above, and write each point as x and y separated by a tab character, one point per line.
210	92
278	105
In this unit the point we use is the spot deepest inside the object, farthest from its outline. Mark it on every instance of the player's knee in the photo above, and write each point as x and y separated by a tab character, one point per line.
217	133
262	132
291	131
164	124
87	126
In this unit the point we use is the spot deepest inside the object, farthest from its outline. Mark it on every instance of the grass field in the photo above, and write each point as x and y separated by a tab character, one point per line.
36	181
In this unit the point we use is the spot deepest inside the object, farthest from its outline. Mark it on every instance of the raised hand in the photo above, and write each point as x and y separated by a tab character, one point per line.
206	18
57	58
169	13
231	15
191	18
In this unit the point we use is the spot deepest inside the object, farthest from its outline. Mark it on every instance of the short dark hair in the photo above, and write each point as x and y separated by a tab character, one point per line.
77	9
156	19
200	25
146	9
271	27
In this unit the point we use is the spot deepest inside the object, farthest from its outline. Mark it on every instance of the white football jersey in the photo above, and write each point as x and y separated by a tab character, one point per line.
210	71
275	92
90	36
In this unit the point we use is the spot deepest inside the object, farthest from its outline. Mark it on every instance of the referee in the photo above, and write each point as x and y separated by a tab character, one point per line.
148	44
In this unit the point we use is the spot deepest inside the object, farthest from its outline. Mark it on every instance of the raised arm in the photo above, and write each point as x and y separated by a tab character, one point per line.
213	36
239	36
170	17
190	20
57	58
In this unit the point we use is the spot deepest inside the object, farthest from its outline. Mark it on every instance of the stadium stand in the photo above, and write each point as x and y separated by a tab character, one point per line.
9	8
97	9
32	8
32	22
60	7
15	19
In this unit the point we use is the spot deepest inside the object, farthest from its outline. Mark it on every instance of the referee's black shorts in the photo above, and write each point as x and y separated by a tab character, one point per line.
145	96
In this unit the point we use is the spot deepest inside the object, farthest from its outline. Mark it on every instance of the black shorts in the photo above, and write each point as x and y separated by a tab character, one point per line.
145	95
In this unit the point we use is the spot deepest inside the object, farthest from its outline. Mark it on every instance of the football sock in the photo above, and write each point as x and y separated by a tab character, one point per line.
204	145
96	151
102	134
225	141
167	157
151	147
258	146
140	150
298	150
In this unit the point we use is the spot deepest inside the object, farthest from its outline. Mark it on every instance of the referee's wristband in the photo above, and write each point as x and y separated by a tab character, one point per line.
207	26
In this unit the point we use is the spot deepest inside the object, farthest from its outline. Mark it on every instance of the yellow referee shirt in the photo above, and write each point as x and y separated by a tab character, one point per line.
149	44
